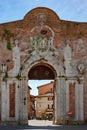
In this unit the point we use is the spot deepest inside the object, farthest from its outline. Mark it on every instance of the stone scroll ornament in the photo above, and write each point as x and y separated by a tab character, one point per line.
42	36
80	68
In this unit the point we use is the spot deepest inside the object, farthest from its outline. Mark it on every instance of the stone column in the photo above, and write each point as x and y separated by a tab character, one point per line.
21	102
79	103
56	102
60	101
17	100
3	102
23	107
0	97
67	98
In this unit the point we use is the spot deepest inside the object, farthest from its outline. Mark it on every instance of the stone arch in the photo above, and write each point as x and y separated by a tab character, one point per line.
47	60
40	68
55	66
43	71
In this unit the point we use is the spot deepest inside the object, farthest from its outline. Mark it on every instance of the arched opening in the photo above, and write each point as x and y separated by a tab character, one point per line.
41	71
43	107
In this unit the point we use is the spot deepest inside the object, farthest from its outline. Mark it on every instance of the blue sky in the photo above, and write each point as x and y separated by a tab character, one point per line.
71	10
35	83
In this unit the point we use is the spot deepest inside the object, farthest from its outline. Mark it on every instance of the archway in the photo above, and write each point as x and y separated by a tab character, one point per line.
43	72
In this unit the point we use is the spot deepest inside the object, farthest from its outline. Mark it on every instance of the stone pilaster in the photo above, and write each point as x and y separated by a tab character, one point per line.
67	99
56	102
0	97
60	101
67	58
23	108
3	102
79	103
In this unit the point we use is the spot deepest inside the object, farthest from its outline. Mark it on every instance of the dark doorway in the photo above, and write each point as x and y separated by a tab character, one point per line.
41	72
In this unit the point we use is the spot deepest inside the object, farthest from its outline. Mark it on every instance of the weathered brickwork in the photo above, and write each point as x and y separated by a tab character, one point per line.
72	99
12	100
42	38
46	88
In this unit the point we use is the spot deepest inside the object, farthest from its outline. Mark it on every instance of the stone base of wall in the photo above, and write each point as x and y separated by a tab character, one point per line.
74	122
68	122
25	122
85	121
13	123
59	122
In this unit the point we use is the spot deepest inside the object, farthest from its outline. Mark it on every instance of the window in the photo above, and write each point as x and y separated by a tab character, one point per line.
50	98
52	106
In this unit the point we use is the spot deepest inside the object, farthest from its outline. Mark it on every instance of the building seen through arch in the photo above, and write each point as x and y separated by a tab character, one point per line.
42	46
45	101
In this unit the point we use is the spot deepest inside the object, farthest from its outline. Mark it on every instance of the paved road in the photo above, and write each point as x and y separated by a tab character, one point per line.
40	123
43	125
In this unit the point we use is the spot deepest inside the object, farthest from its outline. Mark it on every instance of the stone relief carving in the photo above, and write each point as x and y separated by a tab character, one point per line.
74	68
41	18
16	60
42	44
41	41
80	68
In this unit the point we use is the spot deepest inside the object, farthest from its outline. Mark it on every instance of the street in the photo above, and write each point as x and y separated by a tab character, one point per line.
82	127
44	125
40	123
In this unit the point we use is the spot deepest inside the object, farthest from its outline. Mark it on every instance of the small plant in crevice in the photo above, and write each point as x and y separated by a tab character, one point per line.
64	68
24	100
76	23
61	76
21	68
9	45
18	76
8	60
63	59
6	34
5	76
18	86
78	79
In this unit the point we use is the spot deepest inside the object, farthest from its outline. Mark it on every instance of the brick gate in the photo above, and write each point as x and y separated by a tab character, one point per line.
43	46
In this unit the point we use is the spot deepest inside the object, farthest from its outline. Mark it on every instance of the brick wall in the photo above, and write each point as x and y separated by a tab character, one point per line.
74	31
72	98
12	100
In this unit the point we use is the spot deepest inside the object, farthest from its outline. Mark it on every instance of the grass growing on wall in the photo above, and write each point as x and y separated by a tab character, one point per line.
9	45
